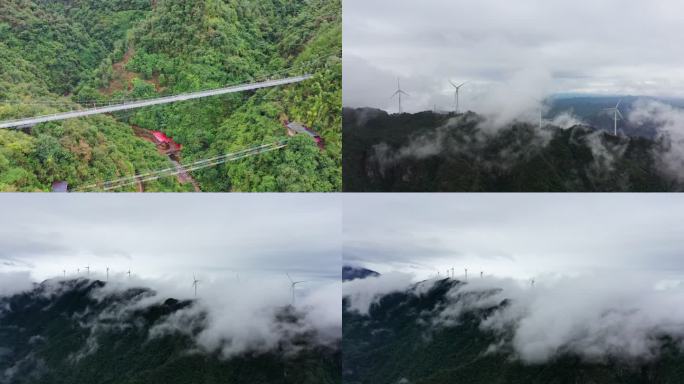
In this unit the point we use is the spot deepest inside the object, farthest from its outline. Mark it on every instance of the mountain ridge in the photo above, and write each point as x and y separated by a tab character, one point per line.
72	331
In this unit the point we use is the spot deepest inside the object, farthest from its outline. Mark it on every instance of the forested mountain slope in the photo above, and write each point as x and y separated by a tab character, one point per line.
62	55
443	152
70	332
400	341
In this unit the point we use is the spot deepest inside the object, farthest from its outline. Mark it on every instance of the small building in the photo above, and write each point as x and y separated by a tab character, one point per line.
60	186
294	128
165	142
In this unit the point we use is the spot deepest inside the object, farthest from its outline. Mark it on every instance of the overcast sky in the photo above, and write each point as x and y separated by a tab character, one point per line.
515	235
526	49
162	235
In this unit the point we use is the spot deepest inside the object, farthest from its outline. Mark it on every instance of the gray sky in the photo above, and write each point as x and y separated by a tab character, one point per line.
163	235
518	49
515	235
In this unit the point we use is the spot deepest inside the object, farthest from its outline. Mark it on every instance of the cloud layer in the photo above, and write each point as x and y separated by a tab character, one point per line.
514	235
594	316
528	49
228	316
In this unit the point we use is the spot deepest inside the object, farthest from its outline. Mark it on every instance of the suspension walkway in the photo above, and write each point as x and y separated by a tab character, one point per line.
126	105
182	168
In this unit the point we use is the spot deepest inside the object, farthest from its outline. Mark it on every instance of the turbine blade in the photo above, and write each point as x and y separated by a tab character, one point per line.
453	84
618	104
619	113
288	276
462	84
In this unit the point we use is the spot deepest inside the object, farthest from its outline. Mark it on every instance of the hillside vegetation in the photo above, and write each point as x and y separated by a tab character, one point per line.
69	54
58	333
444	152
398	343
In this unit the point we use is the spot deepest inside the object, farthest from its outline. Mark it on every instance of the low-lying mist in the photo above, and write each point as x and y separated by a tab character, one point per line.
231	316
486	138
595	316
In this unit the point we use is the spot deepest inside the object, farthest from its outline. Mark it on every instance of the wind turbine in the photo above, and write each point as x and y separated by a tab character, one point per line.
481	274
616	114
452	272
541	119
399	92
457	88
194	283
129	273
293	285
64	271
107	273
532	283
466	274
88	269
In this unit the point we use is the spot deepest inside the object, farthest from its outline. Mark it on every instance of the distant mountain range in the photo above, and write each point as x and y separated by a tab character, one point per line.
429	151
351	273
58	333
398	344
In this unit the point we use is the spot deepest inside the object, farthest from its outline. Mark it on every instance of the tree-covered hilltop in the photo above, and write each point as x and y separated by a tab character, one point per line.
443	152
398	343
69	54
67	332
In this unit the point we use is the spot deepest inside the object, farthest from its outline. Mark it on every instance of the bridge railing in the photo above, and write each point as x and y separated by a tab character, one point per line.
156	101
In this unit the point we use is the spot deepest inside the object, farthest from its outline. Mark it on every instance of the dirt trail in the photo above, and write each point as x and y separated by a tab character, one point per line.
183	175
121	78
174	157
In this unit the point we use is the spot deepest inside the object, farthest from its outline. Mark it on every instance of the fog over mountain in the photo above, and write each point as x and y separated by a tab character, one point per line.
77	251
597	276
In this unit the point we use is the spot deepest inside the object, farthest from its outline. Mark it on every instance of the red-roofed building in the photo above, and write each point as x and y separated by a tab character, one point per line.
166	142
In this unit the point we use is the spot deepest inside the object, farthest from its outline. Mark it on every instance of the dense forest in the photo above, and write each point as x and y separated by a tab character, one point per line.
446	152
72	54
63	335
397	343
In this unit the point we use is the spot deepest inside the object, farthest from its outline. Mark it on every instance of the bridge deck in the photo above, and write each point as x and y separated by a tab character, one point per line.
145	103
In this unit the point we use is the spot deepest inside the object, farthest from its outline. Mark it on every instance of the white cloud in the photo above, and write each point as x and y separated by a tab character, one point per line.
607	47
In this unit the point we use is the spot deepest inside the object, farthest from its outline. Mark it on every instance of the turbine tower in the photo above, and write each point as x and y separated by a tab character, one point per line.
293	285
540	118
457	88
399	92
194	283
616	115
64	271
107	274
466	274
481	274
